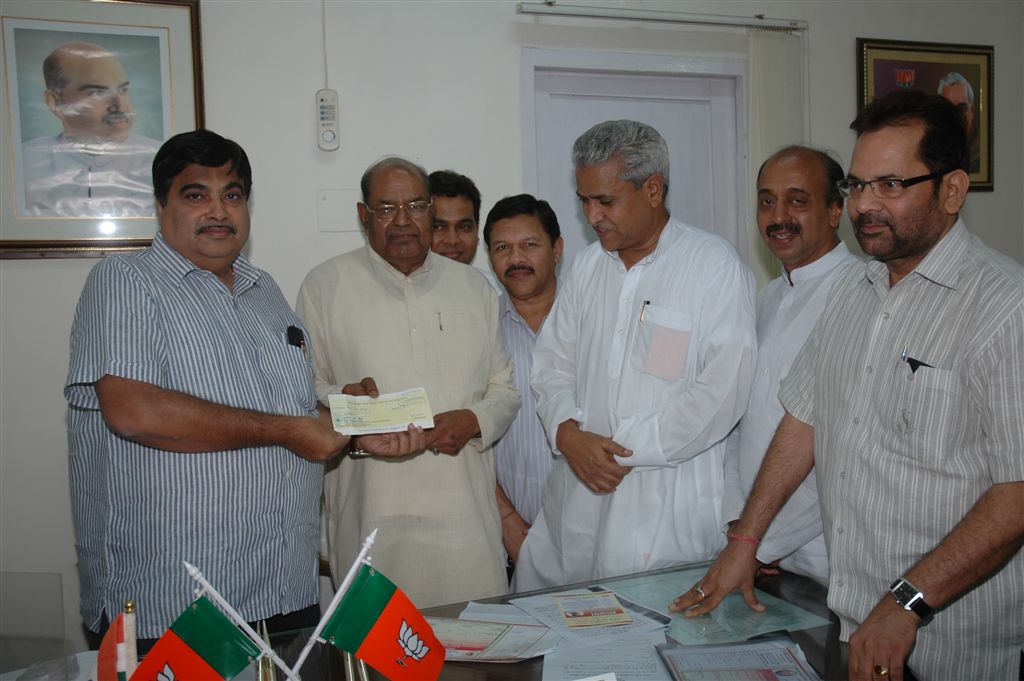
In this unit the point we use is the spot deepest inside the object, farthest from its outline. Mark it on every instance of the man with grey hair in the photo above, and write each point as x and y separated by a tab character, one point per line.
96	167
641	370
406	317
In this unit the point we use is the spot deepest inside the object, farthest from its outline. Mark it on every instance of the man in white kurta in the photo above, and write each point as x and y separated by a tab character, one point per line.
798	213
437	327
641	370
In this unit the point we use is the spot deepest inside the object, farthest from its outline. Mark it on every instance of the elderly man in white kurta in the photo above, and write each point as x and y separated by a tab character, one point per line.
642	369
406	317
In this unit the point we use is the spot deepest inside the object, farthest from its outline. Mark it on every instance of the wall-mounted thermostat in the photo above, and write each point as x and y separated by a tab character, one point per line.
328	135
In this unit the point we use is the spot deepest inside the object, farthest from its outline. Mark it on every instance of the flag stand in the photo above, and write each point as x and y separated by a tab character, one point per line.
361	558
215	596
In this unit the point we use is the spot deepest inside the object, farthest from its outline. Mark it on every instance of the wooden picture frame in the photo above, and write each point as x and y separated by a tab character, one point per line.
79	141
963	73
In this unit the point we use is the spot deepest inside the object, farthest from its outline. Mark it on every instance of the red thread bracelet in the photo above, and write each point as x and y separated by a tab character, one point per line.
746	539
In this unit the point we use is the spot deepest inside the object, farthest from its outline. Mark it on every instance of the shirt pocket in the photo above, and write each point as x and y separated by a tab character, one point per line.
927	411
662	344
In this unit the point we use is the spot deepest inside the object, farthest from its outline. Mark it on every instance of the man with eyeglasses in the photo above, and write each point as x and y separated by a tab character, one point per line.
405	317
909	402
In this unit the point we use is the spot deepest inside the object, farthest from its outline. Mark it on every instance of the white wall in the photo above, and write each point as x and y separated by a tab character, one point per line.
438	82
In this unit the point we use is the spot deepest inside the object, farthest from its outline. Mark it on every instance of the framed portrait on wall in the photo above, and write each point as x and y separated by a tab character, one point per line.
960	73
90	91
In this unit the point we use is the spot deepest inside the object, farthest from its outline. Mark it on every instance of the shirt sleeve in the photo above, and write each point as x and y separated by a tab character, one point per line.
997	377
703	410
115	331
553	377
308	306
734	496
796	390
500	403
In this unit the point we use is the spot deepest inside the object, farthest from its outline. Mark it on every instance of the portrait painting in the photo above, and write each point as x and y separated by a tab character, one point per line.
88	104
960	73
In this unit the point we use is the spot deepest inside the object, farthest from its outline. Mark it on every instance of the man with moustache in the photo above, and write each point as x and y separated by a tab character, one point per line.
193	427
525	245
405	317
96	167
798	211
641	371
908	400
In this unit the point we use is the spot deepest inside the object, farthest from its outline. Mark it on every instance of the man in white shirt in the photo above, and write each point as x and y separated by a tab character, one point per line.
456	210
641	370
96	167
798	213
525	245
407	317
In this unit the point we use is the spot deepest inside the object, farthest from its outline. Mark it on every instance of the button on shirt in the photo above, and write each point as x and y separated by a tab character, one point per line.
247	518
787	309
660	358
902	455
69	179
522	457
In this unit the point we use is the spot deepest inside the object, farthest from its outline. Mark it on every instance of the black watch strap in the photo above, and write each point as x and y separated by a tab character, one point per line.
912	600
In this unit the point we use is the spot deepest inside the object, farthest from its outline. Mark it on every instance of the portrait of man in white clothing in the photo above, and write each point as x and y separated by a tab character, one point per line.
84	151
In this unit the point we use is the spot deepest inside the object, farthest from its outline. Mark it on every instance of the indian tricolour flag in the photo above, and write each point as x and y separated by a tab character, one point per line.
201	644
115	660
378	623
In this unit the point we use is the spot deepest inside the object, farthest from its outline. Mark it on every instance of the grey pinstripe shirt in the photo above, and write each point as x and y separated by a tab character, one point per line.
247	518
902	455
522	457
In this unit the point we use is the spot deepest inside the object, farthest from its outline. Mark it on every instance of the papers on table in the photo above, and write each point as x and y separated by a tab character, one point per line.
630	659
770	659
476	641
595	609
389	413
545	609
732	620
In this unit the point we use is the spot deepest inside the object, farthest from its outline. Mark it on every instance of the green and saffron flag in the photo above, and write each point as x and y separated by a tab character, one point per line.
201	644
378	623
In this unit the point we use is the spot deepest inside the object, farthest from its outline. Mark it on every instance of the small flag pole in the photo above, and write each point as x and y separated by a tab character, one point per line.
195	574
361	558
131	657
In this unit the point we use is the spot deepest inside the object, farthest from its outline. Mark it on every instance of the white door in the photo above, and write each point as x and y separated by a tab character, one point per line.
698	115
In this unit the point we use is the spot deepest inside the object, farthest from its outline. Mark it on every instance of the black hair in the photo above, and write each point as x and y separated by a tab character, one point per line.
451	184
523	204
201	147
944	144
833	171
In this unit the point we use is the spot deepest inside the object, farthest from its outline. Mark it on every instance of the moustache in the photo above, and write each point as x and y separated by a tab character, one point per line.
518	268
790	227
871	219
116	117
222	225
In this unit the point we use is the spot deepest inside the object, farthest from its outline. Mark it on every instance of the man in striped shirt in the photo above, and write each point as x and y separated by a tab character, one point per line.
908	400
525	246
193	427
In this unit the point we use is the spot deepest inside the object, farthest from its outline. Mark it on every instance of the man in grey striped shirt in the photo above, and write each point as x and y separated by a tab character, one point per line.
525	246
909	401
193	427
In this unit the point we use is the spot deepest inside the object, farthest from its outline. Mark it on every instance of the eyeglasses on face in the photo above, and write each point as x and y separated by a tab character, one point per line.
386	212
884	187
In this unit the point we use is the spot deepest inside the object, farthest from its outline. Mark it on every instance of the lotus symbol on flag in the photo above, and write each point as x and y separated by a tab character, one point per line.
411	644
166	675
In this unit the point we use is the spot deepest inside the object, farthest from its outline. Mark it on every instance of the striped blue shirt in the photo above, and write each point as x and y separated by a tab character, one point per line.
247	518
522	457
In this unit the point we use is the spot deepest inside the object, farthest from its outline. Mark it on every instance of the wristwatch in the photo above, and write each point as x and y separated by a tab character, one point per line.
912	600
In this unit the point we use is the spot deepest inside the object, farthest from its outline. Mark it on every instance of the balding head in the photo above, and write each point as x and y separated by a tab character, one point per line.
87	89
